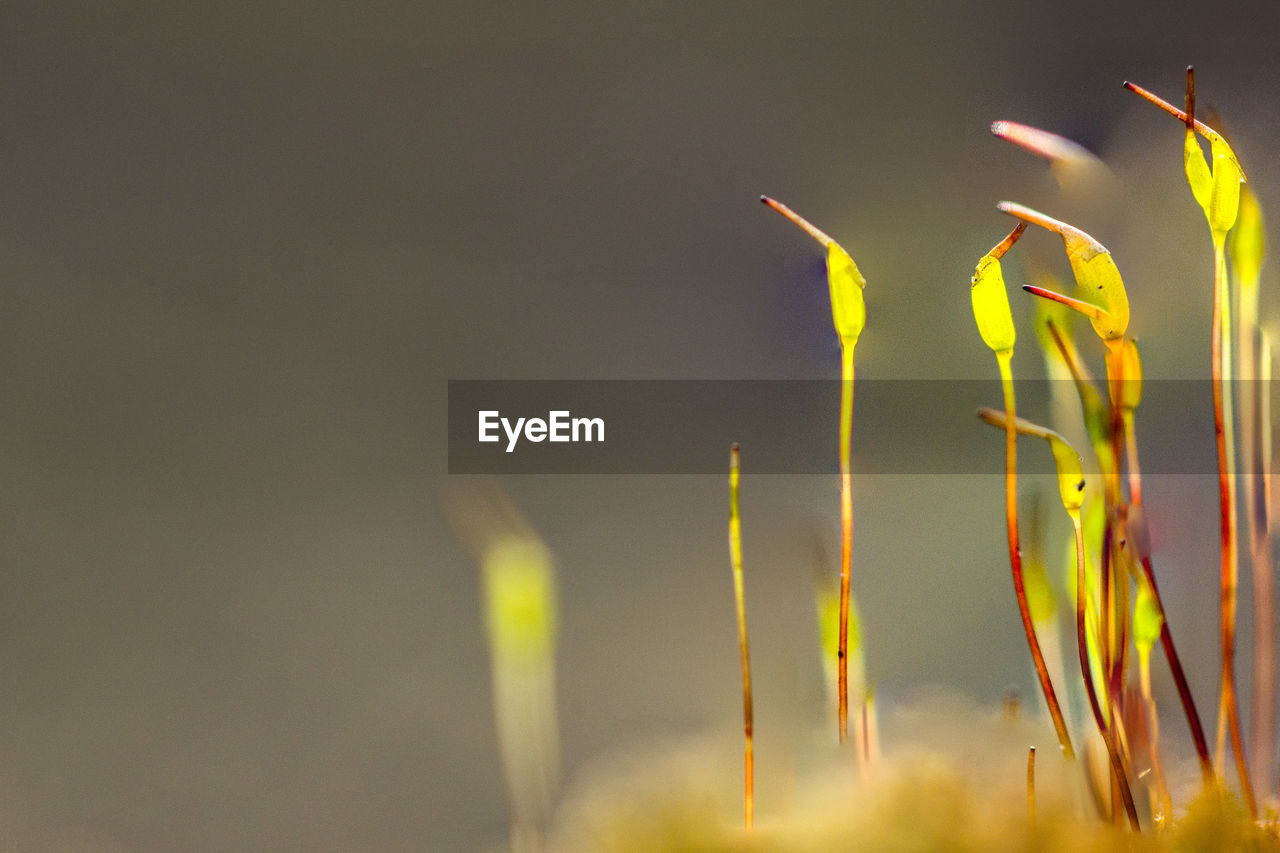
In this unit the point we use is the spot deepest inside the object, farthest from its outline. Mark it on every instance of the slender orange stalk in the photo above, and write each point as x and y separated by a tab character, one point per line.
1221	210
1104	727
1015	553
1228	708
1128	394
1192	714
735	560
1146	612
849	315
846	531
995	324
1031	784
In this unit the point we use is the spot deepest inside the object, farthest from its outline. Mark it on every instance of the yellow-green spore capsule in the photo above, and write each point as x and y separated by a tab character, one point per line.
1224	204
991	305
520	600
1041	600
1100	295
848	310
1100	283
1070	473
1248	242
1147	618
1198	174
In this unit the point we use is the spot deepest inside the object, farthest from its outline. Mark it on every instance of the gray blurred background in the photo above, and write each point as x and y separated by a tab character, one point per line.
243	247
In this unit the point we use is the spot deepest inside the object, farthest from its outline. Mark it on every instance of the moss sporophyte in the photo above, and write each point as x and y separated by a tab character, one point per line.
1112	785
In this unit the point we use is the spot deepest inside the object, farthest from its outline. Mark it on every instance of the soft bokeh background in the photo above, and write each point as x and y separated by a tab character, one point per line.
243	247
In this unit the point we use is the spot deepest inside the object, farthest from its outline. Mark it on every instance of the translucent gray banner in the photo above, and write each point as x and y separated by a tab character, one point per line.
791	427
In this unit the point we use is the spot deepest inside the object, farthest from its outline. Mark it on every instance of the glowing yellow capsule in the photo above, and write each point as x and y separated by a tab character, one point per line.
1097	275
1067	461
1198	174
1248	242
1070	473
991	305
848	309
1041	600
1224	204
520	599
1101	296
1147	618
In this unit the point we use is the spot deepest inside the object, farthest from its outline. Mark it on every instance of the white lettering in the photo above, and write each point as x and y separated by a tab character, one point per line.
558	427
512	434
588	424
488	422
559	422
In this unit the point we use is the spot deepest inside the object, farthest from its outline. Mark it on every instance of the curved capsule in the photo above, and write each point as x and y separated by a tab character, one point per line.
990	300
1096	274
1070	472
1248	241
1147	617
1070	469
1198	174
848	309
520	599
1217	191
1224	204
991	308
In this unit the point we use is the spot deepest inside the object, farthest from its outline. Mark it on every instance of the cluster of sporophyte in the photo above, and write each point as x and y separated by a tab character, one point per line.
1107	787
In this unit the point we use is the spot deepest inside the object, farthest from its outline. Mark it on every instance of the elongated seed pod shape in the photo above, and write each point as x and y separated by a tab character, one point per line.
1065	458
845	280
1216	190
1147	618
1247	242
1070	472
1095	272
991	305
848	309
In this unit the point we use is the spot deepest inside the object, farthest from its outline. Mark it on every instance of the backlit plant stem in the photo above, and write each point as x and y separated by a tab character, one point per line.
846	533
1153	736
1031	784
1216	190
1245	249
848	313
1100	719
1222	423
1135	487
1005	359
735	560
